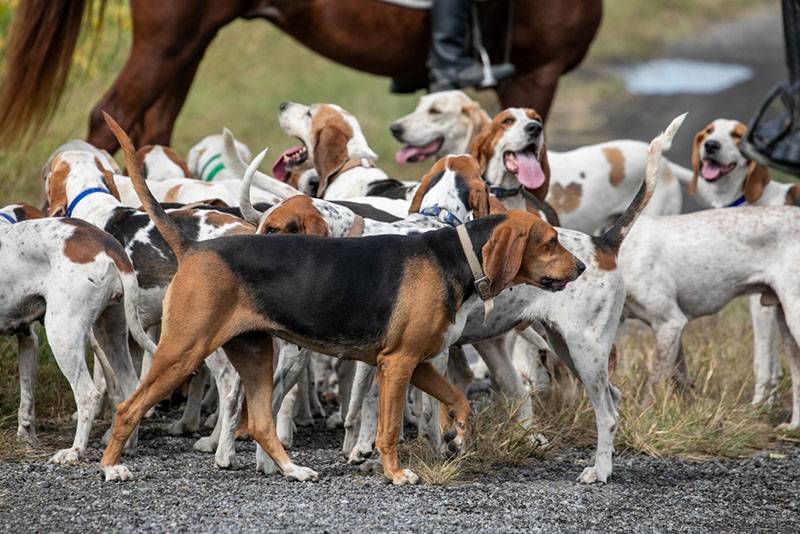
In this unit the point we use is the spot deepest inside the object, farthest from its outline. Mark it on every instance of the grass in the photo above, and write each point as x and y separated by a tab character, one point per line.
251	68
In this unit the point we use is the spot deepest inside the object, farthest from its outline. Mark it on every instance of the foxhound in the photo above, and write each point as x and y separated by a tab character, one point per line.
589	186
724	178
333	141
681	267
205	161
78	281
410	298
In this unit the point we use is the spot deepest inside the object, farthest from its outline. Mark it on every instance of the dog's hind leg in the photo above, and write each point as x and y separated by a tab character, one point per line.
251	355
766	337
789	321
28	363
362	380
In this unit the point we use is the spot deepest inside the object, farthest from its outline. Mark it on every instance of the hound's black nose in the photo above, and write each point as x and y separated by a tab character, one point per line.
712	146
283	106
580	266
397	131
533	128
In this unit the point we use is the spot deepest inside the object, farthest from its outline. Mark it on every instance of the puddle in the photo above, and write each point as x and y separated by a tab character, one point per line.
675	76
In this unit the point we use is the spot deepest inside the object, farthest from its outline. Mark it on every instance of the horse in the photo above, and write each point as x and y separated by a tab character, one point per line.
542	38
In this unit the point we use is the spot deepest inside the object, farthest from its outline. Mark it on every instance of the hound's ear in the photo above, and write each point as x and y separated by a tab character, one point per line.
503	253
215	202
330	154
57	189
177	160
757	178
481	148
108	179
416	202
112	161
698	140
541	192
314	224
479	200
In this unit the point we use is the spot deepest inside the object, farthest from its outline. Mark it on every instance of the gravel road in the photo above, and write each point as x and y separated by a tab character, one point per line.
179	489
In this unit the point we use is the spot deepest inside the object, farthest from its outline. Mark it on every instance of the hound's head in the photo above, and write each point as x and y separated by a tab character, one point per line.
159	163
14	213
512	152
454	184
726	173
296	215
205	162
443	123
71	173
330	135
106	160
524	249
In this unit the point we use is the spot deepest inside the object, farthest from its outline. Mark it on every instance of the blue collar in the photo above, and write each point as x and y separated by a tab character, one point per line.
8	217
442	214
83	194
501	192
738	202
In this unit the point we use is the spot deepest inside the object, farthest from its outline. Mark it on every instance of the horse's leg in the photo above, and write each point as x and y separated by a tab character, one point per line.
531	89
160	119
169	38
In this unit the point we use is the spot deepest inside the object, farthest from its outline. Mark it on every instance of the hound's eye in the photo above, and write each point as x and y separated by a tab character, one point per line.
434	111
509	121
270	230
736	135
308	113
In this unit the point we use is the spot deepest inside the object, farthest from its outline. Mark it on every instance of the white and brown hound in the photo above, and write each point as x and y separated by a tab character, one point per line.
79	282
724	178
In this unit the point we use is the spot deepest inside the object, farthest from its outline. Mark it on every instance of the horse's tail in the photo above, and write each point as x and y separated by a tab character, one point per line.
38	58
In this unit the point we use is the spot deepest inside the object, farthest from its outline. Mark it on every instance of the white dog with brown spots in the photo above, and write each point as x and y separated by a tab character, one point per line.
588	187
725	178
79	282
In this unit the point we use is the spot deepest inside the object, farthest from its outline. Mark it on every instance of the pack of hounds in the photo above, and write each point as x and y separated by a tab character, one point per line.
331	280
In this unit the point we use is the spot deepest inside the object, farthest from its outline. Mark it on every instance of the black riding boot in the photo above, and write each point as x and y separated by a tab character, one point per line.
451	67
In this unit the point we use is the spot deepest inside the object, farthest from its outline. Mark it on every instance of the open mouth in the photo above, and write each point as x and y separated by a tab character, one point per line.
713	170
551	284
414	154
524	165
290	159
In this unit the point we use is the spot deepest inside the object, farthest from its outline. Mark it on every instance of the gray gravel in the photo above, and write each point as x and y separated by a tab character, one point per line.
177	488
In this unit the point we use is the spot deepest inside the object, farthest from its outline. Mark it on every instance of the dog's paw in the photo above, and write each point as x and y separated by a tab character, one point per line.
334	421
66	456
303	474
590	475
117	472
179	428
27	436
539	440
403	477
264	463
205	444
787	427
224	460
211	420
359	455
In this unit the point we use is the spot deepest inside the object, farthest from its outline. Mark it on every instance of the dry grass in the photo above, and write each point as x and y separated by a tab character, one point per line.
715	419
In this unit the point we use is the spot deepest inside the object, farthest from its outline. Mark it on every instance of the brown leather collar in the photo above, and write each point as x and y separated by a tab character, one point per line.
352	163
357	229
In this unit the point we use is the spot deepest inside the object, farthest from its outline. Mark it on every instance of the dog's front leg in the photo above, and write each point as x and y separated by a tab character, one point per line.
28	363
394	375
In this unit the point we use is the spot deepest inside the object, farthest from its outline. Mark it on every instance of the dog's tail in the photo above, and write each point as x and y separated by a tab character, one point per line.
130	300
614	236
169	230
231	160
250	214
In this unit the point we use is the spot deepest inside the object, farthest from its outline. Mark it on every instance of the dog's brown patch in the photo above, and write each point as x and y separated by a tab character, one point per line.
566	199
606	260
616	159
793	196
25	212
57	187
172	193
218	219
87	241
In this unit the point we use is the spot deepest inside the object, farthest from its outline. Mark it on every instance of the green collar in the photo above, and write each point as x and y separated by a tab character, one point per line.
215	169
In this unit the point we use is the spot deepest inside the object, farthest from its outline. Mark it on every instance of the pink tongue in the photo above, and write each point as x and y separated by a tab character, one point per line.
416	153
711	171
279	167
530	173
